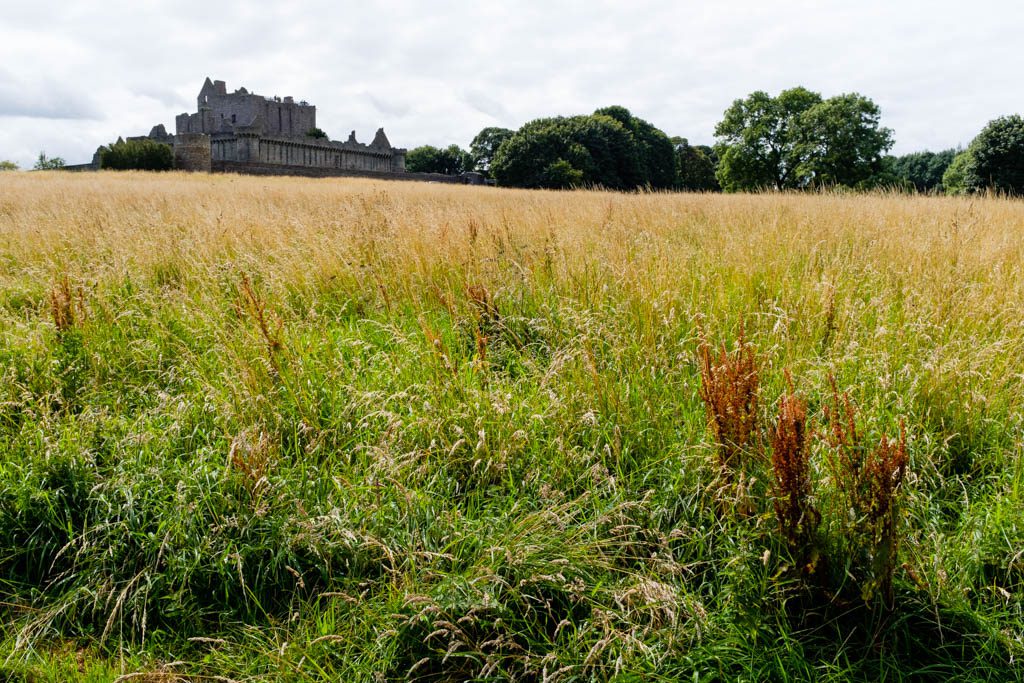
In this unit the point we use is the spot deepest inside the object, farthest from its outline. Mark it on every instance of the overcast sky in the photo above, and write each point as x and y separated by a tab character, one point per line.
75	75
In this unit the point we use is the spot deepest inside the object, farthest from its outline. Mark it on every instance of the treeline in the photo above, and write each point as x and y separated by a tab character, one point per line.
796	140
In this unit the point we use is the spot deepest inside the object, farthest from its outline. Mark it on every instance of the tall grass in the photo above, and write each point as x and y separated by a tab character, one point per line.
290	429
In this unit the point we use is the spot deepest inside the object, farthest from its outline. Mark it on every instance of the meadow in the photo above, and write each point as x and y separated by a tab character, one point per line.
308	430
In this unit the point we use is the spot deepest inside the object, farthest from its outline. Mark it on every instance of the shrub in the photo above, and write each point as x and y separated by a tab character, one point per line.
139	155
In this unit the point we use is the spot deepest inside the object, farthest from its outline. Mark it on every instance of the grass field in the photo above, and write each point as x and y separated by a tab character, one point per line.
283	429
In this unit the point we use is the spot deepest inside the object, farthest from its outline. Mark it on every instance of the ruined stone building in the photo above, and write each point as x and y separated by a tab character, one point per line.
245	132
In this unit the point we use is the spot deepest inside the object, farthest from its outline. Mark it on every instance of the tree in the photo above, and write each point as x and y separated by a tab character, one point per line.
655	151
997	157
485	145
140	154
798	140
955	179
595	150
841	142
316	133
8	166
48	164
451	160
759	143
695	167
923	170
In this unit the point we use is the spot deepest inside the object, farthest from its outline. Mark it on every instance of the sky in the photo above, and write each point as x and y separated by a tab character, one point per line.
77	74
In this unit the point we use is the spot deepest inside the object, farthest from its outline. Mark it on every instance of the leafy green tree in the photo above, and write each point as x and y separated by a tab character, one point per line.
759	140
142	155
8	166
923	170
956	178
44	163
696	167
598	148
655	151
451	160
484	146
998	157
316	133
798	140
841	142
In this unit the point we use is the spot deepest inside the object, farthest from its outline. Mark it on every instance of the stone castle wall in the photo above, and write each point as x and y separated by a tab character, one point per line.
257	168
308	152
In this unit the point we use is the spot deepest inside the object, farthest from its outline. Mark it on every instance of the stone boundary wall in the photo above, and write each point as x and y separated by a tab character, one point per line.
305	152
252	168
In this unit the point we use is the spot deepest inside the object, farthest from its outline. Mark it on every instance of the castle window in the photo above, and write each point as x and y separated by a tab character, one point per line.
232	118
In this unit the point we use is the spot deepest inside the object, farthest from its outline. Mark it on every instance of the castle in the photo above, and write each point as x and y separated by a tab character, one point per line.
248	133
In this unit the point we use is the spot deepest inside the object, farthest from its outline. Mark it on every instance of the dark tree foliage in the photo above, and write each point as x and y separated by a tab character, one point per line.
6	165
922	170
452	160
140	155
798	140
997	157
654	149
561	152
484	146
316	133
695	167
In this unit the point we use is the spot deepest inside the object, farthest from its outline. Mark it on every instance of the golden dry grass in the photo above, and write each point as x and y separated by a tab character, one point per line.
949	268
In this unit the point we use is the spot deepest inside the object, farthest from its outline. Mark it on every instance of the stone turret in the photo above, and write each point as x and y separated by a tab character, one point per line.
192	152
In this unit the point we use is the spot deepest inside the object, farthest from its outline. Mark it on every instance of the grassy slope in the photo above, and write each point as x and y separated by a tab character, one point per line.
349	489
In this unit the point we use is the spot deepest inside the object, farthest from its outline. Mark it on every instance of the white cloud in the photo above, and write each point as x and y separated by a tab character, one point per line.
78	73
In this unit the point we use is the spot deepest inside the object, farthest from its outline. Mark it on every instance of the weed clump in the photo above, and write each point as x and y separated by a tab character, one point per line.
797	517
62	306
729	390
868	481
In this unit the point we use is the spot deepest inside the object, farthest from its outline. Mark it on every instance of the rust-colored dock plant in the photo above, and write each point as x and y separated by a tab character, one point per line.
729	389
798	519
62	305
869	482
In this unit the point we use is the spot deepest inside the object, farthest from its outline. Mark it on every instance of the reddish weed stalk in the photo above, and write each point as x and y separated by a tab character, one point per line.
869	481
728	387
798	519
62	305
